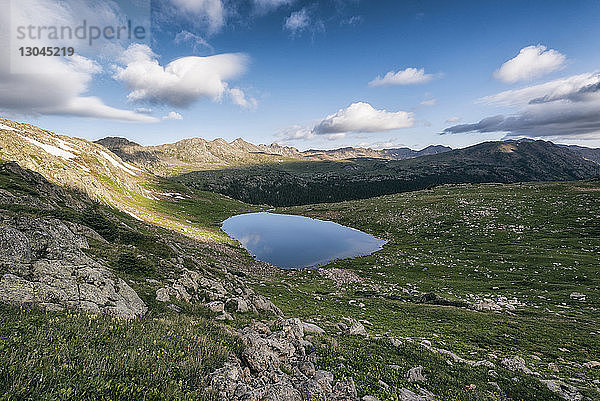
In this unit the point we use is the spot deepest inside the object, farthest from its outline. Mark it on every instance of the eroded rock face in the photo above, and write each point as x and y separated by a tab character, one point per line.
275	366
42	262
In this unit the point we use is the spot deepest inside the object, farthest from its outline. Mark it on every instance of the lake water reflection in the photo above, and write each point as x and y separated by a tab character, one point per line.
296	242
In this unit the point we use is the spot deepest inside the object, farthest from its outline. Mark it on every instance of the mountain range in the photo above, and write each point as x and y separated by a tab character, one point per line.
125	174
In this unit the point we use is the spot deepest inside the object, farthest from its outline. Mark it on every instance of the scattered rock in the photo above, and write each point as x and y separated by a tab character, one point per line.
564	390
352	327
278	369
415	374
516	364
553	367
577	296
310	328
340	276
592	364
162	295
405	394
216	306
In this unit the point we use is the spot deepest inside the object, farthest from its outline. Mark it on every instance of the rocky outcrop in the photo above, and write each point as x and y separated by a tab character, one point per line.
42	262
276	366
564	390
220	296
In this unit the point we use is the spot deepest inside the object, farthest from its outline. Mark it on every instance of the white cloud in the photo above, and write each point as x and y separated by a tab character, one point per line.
359	117
550	90
196	41
57	89
239	97
173	115
565	108
453	120
181	82
362	117
52	85
209	12
531	62
409	76
298	21
429	102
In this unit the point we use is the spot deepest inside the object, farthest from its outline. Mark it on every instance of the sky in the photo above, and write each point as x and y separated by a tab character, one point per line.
310	74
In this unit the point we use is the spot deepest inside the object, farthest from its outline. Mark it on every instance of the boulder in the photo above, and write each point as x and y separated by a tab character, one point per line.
415	374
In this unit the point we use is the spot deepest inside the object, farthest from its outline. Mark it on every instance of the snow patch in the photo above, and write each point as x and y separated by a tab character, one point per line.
53	150
7	128
133	215
65	146
116	163
132	167
83	168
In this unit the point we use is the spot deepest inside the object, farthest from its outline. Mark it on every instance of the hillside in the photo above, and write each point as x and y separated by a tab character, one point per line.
394	153
592	154
455	324
296	183
482	292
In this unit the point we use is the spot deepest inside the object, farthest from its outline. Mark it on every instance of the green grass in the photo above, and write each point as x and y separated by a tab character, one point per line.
376	361
533	244
75	356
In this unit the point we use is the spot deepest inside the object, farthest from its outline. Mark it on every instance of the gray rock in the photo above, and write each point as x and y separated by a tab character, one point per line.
516	364
564	390
352	327
162	295
577	296
42	262
345	390
310	328
405	394
282	392
415	374
216	306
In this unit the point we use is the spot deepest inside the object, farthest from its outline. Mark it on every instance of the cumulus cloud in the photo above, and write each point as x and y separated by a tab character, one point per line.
57	89
52	85
356	118
182	81
408	76
298	21
531	62
568	107
173	115
362	117
208	12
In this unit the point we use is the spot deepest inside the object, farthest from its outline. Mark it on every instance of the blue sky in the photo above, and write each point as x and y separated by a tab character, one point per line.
304	73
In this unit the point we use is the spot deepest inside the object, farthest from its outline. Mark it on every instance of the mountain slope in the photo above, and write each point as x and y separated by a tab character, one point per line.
195	154
592	154
297	183
104	176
